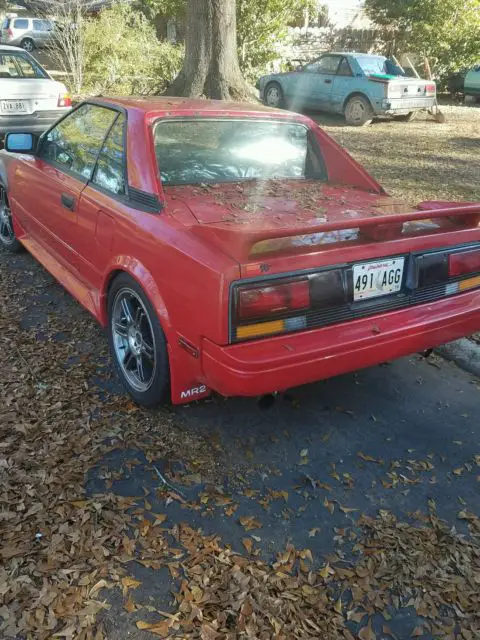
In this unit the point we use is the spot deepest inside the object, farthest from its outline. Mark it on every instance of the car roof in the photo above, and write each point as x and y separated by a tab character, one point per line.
8	47
153	105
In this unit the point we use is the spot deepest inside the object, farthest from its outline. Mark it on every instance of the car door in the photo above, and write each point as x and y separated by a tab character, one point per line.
48	189
101	205
322	82
343	85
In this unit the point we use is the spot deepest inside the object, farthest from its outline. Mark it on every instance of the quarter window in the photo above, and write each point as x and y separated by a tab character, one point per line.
109	173
75	143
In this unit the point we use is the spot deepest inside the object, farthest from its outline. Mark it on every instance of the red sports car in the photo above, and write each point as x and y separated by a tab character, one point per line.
234	248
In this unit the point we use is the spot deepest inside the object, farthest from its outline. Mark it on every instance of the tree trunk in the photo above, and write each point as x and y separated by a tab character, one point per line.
211	68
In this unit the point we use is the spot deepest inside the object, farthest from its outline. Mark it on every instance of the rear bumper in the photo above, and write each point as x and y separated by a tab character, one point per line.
402	106
32	123
279	363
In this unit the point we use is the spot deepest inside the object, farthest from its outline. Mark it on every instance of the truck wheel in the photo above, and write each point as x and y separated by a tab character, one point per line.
358	111
274	96
137	343
27	44
8	239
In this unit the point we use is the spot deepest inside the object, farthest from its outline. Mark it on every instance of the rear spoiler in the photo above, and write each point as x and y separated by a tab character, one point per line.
377	227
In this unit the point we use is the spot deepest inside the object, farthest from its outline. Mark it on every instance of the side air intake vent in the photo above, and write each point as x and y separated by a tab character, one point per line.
144	201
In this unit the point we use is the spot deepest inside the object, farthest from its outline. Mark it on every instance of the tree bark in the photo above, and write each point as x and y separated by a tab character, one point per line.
211	68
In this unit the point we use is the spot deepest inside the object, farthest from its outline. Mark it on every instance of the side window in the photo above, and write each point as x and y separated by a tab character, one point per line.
20	23
328	64
110	171
38	25
74	144
344	68
312	67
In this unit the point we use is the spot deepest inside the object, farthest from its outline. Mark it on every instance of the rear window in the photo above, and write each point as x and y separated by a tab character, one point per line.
20	23
19	65
6	23
231	150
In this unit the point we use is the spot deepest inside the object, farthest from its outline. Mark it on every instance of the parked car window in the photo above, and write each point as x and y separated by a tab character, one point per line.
19	65
42	25
75	142
110	170
20	23
344	68
6	23
373	65
211	151
328	64
312	67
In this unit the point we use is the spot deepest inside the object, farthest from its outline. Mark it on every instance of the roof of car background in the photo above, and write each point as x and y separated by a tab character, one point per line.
155	106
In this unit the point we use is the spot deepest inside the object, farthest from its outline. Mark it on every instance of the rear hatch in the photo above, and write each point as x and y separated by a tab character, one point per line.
23	96
313	254
410	88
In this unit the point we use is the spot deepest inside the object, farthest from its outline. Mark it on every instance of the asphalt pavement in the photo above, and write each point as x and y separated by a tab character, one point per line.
397	437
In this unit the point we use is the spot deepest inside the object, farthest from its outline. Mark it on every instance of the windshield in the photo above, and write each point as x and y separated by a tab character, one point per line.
229	150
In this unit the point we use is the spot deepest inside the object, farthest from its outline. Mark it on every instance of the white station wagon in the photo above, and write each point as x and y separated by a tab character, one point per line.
30	99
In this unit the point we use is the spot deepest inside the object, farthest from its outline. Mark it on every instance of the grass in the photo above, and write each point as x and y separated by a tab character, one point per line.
420	160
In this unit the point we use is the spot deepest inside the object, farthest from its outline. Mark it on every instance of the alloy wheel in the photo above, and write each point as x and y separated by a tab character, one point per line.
133	340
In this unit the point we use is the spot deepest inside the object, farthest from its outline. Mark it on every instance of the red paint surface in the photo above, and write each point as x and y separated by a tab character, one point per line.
187	256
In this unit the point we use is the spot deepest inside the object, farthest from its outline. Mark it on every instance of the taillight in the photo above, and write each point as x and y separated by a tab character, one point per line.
64	100
10	33
259	302
463	263
430	89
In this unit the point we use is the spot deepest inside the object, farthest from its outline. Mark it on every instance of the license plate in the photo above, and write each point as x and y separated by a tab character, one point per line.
13	106
381	278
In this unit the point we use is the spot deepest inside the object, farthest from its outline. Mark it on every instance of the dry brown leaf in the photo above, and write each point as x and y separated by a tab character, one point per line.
249	523
367	633
248	544
161	628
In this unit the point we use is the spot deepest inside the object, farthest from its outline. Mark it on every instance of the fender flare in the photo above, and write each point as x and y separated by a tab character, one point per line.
136	270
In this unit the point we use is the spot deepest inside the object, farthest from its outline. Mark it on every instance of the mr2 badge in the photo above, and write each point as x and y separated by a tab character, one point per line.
193	393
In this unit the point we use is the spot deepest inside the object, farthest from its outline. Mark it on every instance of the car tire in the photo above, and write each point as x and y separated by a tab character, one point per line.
8	239
27	44
137	343
274	96
358	111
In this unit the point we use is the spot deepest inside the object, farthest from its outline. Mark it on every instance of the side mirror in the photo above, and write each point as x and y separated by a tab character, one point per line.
20	142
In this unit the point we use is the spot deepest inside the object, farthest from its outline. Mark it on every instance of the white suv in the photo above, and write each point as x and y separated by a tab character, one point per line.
30	100
28	33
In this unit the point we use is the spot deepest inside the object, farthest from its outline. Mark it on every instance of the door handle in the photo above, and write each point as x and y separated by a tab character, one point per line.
328	81
68	201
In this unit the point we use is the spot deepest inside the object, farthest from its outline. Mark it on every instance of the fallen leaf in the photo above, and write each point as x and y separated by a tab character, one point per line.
248	544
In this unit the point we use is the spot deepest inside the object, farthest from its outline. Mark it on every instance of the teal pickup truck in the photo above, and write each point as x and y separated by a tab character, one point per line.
358	85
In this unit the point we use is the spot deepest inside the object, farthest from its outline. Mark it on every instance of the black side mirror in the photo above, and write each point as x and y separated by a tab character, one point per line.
20	142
